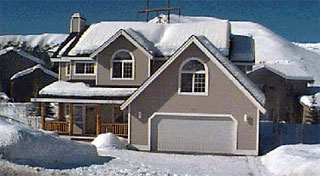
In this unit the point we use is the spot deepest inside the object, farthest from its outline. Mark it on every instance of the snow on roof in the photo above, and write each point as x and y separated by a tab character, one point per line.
63	50
4	97
42	41
239	75
314	47
32	69
22	53
62	88
311	100
288	70
165	37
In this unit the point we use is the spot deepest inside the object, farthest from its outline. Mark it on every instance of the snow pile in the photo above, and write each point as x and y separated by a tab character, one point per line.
107	140
62	88
311	100
300	159
22	53
31	70
163	36
4	97
26	146
45	41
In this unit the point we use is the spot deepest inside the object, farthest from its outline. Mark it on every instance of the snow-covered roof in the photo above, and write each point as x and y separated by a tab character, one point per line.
165	37
234	70
22	53
311	100
31	70
288	71
79	89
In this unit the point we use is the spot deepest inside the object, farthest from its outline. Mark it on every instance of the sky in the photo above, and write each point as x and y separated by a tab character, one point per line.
295	20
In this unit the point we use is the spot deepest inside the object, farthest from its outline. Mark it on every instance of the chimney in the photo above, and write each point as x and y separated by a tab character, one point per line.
77	23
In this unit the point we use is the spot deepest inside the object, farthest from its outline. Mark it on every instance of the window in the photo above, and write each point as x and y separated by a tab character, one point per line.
84	68
193	77
122	65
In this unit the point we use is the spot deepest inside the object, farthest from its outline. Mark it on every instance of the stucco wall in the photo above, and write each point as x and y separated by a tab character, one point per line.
104	64
223	98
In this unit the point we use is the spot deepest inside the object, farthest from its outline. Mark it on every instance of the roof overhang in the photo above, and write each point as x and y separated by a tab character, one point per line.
68	59
68	100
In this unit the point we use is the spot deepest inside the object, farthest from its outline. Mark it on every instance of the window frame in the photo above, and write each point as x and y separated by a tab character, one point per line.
205	72
83	74
132	61
68	68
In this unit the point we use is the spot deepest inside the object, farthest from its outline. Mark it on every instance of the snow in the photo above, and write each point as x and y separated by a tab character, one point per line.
44	41
32	69
22	53
23	145
61	52
107	140
3	97
300	159
62	88
288	70
163	36
315	47
311	100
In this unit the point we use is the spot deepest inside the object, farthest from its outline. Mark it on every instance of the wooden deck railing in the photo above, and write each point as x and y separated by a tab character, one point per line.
119	129
59	126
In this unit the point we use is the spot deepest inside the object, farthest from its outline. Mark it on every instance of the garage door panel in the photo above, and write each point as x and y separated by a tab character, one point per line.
194	134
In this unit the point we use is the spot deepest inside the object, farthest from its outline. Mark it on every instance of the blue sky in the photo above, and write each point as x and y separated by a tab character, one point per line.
295	20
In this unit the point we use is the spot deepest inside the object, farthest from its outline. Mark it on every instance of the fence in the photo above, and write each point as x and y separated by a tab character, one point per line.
272	135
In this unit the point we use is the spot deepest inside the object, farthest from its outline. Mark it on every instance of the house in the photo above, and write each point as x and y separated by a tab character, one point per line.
164	89
282	85
9	57
311	108
27	83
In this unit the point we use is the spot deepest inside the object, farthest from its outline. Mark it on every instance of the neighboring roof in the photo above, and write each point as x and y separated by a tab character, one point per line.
242	49
79	89
288	71
311	101
21	53
244	84
166	38
31	70
136	38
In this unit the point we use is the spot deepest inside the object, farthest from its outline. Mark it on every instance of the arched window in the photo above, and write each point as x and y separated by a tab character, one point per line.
122	65
193	77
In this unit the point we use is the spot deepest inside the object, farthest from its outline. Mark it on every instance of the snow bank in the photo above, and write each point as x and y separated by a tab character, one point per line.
298	159
311	100
31	70
107	140
63	88
30	147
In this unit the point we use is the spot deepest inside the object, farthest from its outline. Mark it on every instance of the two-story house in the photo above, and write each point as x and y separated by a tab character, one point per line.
167	87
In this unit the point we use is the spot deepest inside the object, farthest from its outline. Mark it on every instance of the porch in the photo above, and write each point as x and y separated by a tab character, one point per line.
85	119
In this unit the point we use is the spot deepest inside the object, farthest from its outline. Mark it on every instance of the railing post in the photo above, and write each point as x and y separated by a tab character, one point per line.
70	119
98	120
43	119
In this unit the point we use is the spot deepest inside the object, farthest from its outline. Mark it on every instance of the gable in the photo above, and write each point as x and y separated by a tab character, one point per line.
245	86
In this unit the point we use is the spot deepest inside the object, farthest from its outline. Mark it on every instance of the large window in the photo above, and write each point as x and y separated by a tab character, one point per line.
122	65
84	68
193	77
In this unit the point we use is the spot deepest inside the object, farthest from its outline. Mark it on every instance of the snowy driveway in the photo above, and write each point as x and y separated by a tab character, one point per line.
144	163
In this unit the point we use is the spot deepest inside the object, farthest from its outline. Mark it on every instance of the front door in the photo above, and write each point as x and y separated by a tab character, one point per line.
90	120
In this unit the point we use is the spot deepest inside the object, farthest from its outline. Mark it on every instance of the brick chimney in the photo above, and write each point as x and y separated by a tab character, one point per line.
77	23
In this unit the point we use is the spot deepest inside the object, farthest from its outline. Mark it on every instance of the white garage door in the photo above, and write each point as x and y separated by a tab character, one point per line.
193	134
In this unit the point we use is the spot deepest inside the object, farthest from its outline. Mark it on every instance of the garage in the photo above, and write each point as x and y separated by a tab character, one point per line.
192	133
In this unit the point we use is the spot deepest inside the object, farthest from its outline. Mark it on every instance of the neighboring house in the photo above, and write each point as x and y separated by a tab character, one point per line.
166	90
282	86
311	108
27	83
13	60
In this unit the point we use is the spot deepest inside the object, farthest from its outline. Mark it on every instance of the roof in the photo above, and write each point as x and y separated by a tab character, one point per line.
311	101
31	70
21	53
80	89
289	71
243	82
162	37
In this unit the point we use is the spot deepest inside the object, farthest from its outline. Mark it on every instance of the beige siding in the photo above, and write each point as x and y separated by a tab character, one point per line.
223	98
141	64
63	72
